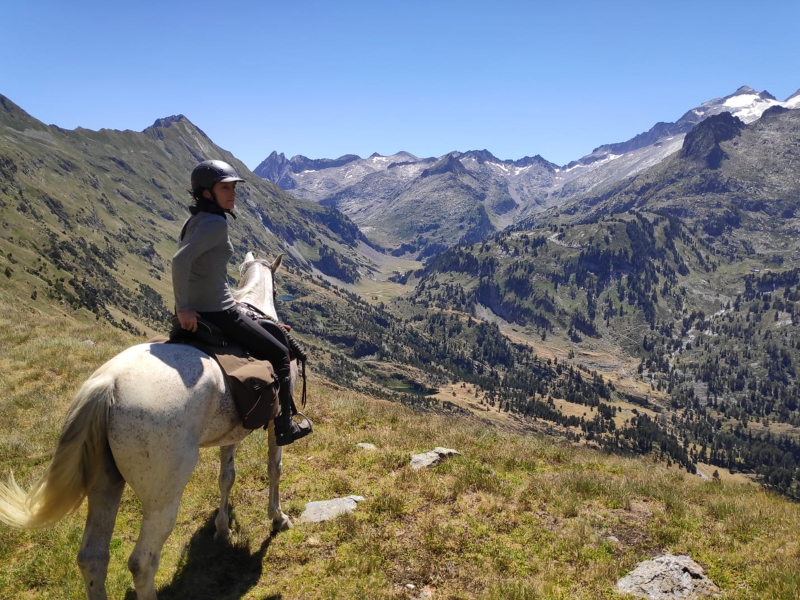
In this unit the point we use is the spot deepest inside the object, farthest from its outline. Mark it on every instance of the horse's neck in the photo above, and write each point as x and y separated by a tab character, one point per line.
259	293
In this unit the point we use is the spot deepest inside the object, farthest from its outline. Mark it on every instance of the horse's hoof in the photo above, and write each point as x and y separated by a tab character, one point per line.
282	524
222	536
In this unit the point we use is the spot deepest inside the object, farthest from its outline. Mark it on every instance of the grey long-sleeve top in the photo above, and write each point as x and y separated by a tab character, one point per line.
200	266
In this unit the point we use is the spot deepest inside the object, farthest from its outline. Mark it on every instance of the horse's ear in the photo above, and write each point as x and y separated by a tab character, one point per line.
277	263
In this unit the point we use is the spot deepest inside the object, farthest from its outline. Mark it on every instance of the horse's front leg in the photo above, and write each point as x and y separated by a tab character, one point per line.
280	521
227	475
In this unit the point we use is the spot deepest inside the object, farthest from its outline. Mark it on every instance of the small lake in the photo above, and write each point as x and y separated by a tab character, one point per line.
285	298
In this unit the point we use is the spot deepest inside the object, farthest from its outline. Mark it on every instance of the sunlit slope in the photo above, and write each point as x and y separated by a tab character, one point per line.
91	218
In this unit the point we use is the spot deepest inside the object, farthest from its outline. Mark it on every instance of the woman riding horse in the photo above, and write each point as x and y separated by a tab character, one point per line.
200	284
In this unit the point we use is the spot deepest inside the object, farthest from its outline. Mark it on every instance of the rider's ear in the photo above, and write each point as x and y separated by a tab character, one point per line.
207	194
277	263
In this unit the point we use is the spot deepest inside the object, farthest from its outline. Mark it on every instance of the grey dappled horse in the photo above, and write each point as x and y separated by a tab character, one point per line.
141	419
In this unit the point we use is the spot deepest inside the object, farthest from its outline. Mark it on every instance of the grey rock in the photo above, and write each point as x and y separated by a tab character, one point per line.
366	446
668	577
324	510
432	458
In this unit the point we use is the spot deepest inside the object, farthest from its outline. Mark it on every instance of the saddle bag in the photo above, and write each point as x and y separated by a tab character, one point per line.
255	392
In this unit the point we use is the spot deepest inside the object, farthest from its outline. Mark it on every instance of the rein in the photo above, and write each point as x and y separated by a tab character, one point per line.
256	313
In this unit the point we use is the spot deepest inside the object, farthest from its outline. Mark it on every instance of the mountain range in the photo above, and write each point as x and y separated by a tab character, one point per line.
688	269
418	206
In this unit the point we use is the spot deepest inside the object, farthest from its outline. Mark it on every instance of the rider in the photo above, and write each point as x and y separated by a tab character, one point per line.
200	283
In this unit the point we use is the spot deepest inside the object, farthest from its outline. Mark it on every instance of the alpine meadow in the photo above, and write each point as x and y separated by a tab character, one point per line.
611	346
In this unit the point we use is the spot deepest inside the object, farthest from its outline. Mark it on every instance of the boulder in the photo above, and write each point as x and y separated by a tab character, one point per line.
324	510
668	578
432	458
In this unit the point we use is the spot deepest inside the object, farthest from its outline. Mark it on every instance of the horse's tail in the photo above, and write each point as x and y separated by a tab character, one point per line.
75	465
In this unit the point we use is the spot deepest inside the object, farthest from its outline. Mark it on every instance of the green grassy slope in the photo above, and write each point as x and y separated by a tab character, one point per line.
512	517
91	218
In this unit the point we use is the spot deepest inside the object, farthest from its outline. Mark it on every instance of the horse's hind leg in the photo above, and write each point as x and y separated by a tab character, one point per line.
227	475
104	497
280	521
160	496
158	522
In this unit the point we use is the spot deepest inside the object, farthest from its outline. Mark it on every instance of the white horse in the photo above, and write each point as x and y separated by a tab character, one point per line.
141	419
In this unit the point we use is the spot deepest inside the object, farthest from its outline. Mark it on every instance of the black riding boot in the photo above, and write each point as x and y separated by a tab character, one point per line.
287	430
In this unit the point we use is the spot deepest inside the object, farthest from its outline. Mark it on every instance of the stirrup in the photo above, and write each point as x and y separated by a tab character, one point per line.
295	430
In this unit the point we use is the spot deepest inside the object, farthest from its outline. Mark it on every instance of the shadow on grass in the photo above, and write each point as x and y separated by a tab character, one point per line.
210	570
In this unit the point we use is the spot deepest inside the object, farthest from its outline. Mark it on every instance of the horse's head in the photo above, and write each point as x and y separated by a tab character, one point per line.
257	283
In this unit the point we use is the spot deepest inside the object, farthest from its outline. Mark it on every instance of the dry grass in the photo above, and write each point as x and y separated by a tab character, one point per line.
514	516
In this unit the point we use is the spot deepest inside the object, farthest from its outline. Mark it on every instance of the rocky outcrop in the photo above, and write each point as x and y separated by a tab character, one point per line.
449	164
702	144
324	510
668	578
432	458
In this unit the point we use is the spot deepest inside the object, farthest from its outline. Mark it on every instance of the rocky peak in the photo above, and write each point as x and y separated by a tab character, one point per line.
702	144
482	156
276	168
170	121
272	167
527	161
10	109
746	90
447	164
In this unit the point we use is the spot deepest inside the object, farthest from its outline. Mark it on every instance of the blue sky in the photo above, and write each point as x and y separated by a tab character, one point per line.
330	78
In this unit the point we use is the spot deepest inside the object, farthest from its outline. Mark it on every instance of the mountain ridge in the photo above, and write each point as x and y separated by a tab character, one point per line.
366	191
124	193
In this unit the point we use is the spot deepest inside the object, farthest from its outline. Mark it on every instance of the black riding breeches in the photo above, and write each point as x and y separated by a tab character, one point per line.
257	341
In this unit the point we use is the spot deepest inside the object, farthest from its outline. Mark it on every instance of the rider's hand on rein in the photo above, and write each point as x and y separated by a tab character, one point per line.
188	319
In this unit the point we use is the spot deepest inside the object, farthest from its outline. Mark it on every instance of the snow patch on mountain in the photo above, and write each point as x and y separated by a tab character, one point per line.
741	101
745	103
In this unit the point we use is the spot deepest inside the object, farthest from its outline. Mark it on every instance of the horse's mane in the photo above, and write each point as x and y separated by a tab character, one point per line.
248	282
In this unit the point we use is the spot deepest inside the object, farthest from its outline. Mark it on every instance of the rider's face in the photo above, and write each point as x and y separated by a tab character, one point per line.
225	193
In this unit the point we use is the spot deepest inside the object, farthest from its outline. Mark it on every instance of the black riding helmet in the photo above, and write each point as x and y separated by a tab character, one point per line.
209	172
